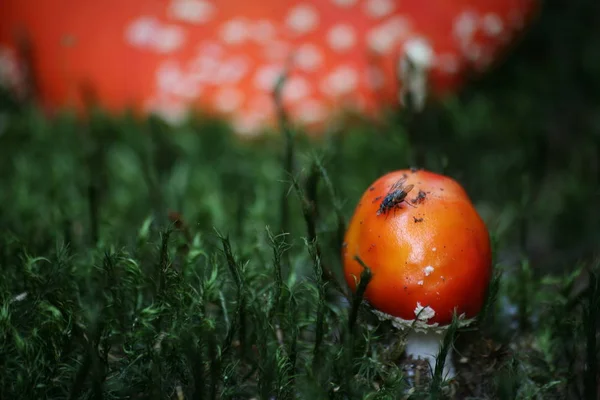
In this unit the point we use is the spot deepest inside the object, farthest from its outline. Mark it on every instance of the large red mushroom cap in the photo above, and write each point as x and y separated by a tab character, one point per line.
226	56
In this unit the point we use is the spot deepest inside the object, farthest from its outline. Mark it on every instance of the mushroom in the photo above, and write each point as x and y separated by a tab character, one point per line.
225	57
429	253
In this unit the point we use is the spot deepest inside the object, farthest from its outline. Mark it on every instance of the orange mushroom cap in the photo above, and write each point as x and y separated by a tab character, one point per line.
427	258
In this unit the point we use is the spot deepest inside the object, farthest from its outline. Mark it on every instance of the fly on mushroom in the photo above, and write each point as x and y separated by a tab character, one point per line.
395	196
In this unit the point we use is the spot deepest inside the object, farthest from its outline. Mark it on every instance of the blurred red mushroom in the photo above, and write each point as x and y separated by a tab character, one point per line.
226	56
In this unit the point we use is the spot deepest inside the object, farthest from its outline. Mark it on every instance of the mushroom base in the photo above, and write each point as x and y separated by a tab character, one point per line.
424	340
426	346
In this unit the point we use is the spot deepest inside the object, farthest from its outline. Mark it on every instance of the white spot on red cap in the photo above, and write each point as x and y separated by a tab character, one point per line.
380	40
379	8
192	11
492	24
420	283
266	77
303	18
428	270
311	111
383	38
228	99
375	77
232	70
424	313
147	32
308	57
341	37
170	78
205	67
465	25
344	3
295	89
397	26
141	32
235	31
169	39
342	80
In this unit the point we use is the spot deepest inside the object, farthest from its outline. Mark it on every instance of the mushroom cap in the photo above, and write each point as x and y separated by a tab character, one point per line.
426	260
225	56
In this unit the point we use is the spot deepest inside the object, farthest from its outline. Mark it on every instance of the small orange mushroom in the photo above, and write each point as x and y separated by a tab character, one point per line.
429	253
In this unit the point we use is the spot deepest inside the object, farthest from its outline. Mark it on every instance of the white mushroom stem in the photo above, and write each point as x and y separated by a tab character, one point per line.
426	346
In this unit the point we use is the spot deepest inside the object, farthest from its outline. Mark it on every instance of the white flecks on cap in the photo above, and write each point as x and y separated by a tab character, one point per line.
141	31
232	70
228	99
428	270
379	8
295	89
311	111
434	249
342	80
168	75
384	37
465	25
341	37
171	79
420	283
375	78
398	26
308	57
267	76
424	313
344	3
492	24
380	41
205	67
168	39
262	31
303	18
235	31
192	11
210	49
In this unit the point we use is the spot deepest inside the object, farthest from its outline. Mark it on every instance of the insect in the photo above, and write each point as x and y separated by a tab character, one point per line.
420	197
396	195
